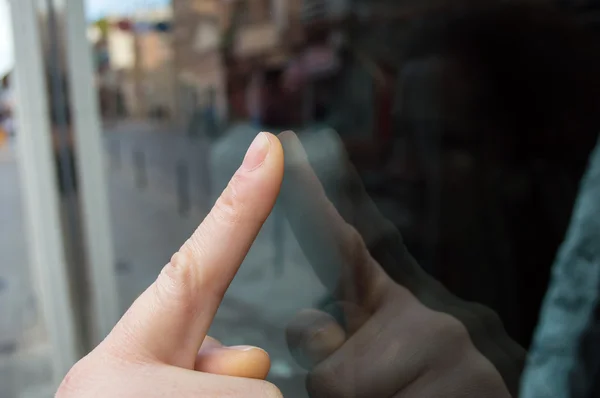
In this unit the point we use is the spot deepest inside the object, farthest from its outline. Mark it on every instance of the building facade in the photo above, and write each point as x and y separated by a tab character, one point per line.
200	76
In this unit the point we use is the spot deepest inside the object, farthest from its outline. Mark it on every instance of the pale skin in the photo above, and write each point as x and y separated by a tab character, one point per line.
394	346
160	347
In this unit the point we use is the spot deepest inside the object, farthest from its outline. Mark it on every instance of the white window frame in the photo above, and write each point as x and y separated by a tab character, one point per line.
40	188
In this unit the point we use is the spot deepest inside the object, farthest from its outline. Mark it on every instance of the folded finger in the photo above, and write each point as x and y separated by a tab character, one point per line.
386	247
239	361
313	336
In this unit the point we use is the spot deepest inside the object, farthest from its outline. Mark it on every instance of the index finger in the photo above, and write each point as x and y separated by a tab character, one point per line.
169	321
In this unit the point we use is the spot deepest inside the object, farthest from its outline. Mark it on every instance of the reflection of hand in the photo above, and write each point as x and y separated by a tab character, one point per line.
398	340
159	348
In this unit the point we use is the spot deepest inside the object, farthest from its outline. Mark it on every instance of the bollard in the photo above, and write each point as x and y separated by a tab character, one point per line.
204	185
117	159
139	165
122	267
278	239
183	187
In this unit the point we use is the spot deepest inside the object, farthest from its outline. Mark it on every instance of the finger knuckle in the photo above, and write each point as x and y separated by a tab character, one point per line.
356	249
269	390
74	381
308	323
229	208
177	283
323	383
483	376
355	241
179	267
361	277
451	333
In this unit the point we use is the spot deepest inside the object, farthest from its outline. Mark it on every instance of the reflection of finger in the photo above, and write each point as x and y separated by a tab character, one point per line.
312	336
334	248
385	246
169	321
239	361
379	359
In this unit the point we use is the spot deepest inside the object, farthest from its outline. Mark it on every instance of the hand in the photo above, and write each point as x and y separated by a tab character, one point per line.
400	337
159	348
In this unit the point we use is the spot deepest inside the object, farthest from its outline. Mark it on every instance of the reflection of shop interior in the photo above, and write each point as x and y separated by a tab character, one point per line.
199	69
302	57
345	79
134	65
254	42
234	48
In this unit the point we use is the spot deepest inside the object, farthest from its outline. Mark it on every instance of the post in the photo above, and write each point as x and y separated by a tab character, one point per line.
39	186
205	179
278	240
183	187
117	158
138	77
139	167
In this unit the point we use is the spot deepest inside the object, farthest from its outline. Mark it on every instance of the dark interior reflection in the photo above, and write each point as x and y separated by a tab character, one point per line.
483	119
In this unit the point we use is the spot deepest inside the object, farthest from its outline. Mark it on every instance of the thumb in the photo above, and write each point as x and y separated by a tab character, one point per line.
237	361
169	321
312	336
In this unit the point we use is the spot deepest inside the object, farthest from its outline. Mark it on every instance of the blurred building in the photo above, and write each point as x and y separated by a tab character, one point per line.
157	69
197	41
135	65
118	97
222	48
260	36
317	61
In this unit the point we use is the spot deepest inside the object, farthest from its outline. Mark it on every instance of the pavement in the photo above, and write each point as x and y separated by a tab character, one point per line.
25	369
156	203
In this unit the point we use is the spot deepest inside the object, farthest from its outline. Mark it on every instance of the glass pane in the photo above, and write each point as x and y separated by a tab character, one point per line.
424	101
449	140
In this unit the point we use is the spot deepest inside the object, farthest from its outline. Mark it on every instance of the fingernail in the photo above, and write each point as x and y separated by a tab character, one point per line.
257	152
245	348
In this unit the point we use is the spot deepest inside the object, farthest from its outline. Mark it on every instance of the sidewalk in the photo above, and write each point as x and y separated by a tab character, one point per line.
25	368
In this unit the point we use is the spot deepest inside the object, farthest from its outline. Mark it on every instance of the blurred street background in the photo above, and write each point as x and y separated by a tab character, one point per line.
419	104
